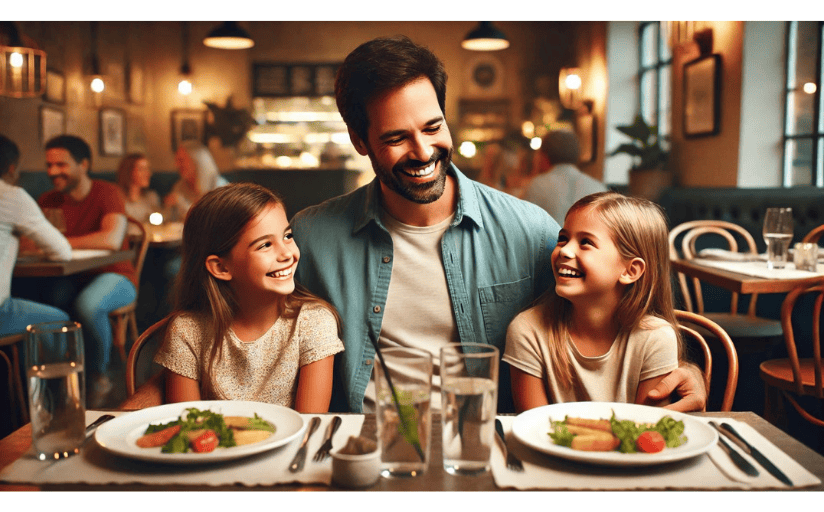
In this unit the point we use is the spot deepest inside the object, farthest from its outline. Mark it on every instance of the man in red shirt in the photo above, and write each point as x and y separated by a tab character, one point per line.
95	215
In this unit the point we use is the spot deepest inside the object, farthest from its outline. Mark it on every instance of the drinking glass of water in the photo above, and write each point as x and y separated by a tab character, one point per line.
778	233
57	402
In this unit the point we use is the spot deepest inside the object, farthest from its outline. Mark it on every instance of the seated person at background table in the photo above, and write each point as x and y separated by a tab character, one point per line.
559	183
607	332
95	219
133	177
198	174
422	256
20	216
241	329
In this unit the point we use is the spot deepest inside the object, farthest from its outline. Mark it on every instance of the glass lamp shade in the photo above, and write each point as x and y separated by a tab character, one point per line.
229	36
485	38
569	88
22	72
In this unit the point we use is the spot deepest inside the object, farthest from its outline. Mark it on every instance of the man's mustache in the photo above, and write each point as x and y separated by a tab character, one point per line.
438	154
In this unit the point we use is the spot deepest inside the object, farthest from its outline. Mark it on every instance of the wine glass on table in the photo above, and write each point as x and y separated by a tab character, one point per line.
778	233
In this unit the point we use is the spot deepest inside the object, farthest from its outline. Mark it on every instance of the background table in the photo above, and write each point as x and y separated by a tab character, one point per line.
31	267
736	282
433	479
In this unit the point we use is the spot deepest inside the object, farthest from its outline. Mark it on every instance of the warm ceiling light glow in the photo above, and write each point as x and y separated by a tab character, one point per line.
98	85
485	38
810	88
16	60
569	87
528	129
535	143
156	219
467	149
229	36
185	87
573	82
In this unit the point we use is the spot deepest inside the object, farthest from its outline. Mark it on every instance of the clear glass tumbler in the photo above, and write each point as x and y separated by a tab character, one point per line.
469	391
57	402
404	420
778	233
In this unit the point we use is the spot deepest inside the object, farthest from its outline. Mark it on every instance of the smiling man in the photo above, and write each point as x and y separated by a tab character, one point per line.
422	256
95	215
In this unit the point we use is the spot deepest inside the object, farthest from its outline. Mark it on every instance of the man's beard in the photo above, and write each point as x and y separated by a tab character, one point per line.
421	193
69	183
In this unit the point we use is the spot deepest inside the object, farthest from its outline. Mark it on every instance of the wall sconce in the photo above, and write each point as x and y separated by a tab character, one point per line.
22	65
485	38
229	36
185	85
569	88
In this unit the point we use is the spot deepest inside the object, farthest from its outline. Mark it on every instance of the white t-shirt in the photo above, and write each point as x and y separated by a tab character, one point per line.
649	351
418	312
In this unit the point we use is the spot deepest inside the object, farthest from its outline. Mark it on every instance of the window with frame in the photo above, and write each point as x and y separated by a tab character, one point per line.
654	77
803	162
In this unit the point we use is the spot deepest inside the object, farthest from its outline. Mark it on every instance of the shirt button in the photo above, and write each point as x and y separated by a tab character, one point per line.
386	259
376	309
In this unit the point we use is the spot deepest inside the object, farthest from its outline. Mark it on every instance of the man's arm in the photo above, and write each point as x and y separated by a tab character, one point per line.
688	382
110	236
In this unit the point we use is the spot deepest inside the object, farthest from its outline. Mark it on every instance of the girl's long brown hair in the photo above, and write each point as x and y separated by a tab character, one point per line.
213	225
639	230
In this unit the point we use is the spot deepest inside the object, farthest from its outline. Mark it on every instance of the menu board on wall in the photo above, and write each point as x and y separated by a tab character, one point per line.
279	79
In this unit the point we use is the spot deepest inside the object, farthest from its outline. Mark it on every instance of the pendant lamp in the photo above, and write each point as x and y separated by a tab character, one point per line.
22	65
485	38
229	36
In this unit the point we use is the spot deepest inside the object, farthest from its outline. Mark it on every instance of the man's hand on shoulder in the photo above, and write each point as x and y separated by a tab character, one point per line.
688	383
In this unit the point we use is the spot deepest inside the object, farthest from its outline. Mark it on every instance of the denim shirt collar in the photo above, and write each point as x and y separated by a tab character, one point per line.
467	203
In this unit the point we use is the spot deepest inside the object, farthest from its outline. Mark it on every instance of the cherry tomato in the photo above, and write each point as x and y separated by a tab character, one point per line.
650	442
206	442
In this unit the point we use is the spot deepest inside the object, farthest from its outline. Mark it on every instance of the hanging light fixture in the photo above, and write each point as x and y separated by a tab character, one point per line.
485	38
569	88
185	85
97	83
229	36
22	65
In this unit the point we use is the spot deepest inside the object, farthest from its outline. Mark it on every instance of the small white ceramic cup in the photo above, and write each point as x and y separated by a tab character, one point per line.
356	471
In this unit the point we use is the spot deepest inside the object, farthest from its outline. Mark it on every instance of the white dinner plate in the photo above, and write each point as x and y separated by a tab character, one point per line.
119	435
532	429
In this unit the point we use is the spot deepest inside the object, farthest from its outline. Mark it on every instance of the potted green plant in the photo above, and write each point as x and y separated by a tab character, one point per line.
648	175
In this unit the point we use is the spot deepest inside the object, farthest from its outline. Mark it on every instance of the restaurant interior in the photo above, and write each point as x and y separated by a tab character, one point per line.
735	108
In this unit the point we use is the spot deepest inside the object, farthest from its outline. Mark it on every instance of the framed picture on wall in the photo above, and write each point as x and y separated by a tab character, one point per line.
188	124
52	123
55	87
112	132
702	102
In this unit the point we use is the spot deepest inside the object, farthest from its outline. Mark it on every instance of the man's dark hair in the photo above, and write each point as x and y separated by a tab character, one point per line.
561	147
9	154
76	147
381	65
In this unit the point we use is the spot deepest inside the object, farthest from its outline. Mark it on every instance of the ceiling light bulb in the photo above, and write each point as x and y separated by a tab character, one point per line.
16	60
573	82
98	85
185	87
810	88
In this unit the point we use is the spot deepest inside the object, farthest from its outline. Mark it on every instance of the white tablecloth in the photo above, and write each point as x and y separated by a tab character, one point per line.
96	466
708	472
759	269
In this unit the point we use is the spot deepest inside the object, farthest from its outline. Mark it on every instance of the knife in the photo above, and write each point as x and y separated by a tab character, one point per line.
99	421
757	455
736	457
300	457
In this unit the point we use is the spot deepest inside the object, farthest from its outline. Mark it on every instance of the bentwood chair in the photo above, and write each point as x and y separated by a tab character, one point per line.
18	413
813	236
795	377
687	323
737	325
145	384
125	317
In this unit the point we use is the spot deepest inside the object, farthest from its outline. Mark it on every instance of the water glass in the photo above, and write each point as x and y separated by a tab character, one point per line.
469	398
778	233
805	256
57	402
405	426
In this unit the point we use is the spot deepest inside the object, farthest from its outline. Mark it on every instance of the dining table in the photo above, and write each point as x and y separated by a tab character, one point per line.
20	471
168	235
34	265
745	277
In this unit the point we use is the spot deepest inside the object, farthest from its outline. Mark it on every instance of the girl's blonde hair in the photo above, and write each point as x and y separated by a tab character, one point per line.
214	225
639	230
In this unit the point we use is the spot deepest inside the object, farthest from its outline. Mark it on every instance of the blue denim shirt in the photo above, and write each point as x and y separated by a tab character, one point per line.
496	257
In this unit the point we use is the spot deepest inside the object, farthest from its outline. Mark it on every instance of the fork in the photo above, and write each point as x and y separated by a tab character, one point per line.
323	451
512	462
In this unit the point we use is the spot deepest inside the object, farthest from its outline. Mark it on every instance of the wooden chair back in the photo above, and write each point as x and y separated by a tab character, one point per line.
125	318
687	321
139	365
18	413
813	236
691	232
